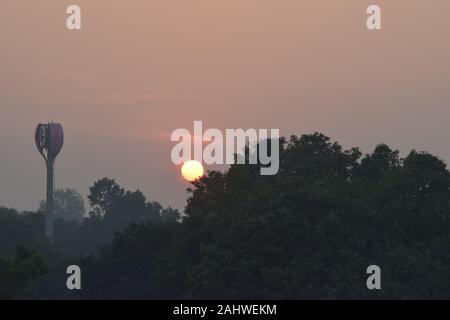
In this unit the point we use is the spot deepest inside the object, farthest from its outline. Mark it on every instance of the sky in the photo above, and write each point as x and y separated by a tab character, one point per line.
140	69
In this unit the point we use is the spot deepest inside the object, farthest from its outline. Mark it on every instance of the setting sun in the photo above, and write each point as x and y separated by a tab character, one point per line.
192	170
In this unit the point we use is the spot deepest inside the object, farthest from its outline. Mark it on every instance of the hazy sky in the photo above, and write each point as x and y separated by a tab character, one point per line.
141	68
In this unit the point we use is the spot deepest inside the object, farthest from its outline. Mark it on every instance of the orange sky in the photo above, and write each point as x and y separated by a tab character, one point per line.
142	68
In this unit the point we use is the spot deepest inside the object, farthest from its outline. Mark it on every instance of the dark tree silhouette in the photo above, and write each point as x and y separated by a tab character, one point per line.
16	275
310	231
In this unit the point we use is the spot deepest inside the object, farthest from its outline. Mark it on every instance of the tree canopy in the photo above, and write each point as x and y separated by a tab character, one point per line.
308	232
68	205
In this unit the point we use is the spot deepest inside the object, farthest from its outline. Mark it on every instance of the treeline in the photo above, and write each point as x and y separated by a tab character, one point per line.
308	232
76	235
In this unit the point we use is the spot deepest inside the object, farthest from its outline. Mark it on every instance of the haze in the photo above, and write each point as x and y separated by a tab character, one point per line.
140	69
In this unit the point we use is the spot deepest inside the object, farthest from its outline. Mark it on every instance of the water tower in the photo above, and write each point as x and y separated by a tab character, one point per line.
49	139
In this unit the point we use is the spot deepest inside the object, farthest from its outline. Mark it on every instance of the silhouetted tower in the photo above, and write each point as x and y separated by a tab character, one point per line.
49	139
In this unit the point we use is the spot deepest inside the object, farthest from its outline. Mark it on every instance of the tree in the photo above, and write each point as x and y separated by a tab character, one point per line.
16	276
119	208
104	196
24	229
68	205
308	232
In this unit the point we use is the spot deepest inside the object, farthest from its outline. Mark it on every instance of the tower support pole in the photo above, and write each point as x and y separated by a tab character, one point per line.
49	203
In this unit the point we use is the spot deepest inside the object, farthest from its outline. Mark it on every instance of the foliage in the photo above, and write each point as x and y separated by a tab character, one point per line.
16	275
68	205
308	232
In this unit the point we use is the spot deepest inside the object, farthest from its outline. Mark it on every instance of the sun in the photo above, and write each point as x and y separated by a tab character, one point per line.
192	170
